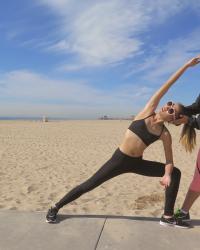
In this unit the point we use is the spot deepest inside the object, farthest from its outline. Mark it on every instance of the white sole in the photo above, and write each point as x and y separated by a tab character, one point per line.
166	224
50	221
182	227
171	225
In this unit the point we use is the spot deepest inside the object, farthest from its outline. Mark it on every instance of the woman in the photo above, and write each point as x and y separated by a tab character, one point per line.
146	128
188	139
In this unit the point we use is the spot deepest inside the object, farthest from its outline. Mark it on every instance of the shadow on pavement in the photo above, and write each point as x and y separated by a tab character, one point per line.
62	217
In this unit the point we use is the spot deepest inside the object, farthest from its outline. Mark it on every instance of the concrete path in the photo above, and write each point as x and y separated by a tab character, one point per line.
29	231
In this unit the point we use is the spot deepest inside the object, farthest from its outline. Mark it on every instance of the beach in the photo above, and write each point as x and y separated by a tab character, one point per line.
41	161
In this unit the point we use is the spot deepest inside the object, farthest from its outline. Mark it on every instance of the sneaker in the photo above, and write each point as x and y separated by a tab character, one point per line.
174	222
51	215
180	215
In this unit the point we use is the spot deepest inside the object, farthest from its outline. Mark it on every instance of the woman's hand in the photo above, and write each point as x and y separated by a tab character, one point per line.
192	62
182	120
165	180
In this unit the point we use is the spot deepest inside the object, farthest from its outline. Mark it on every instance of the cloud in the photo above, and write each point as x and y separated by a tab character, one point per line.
71	67
106	32
166	59
10	35
26	84
24	92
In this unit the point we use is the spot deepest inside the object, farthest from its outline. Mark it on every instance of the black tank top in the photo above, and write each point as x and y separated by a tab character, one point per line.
139	128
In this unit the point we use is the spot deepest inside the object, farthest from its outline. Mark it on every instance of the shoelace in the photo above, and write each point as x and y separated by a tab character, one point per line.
51	211
178	212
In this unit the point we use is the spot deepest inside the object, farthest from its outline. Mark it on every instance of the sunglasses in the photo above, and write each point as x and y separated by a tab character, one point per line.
170	103
171	110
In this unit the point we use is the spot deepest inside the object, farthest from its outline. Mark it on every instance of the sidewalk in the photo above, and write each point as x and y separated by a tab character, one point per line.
29	231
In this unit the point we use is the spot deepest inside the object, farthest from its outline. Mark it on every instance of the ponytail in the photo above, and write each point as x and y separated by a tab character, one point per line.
188	137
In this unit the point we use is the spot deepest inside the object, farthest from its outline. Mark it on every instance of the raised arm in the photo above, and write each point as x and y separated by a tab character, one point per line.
152	104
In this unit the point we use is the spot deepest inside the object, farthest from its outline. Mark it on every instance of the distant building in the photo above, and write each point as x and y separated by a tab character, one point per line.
105	117
44	119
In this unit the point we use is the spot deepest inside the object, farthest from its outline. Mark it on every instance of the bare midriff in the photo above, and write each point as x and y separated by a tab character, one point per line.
132	145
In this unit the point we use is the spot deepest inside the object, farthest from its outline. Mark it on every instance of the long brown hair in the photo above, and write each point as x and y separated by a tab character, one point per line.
188	133
188	137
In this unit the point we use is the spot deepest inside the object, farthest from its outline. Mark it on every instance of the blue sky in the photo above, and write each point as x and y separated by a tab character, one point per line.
85	59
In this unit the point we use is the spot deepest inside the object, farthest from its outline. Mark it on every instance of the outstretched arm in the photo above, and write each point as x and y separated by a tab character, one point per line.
190	120
155	99
194	108
194	122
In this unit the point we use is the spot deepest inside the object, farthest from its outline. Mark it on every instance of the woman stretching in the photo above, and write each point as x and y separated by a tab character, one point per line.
146	128
188	139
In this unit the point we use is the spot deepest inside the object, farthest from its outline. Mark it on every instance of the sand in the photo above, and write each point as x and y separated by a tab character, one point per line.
41	162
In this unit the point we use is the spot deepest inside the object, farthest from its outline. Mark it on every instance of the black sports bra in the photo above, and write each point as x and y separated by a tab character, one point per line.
139	127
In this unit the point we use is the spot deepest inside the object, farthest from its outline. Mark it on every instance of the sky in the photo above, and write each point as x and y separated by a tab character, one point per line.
80	59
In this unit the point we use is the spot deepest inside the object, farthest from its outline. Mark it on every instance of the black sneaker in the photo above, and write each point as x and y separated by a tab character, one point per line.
51	215
180	215
174	222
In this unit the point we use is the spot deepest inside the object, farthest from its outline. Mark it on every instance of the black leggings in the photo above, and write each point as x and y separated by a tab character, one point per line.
121	163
